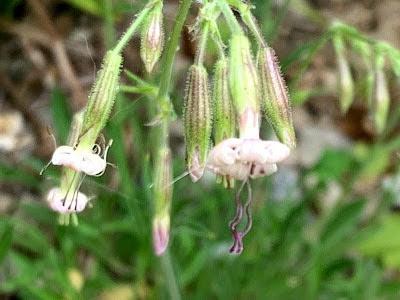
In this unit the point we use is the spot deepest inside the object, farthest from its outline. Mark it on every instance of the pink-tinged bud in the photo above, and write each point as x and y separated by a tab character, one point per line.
345	79
152	38
160	234
162	200
244	86
224	112
275	97
381	100
197	121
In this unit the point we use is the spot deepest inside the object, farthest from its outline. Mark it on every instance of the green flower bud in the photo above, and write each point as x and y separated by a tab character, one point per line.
381	100
224	112
101	99
152	38
162	200
197	121
244	86
275	97
345	80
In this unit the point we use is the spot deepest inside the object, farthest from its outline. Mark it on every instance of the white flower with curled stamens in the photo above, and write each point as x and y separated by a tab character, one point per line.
64	202
89	162
92	163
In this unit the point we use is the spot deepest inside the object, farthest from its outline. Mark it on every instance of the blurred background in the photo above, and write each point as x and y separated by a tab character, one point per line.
326	225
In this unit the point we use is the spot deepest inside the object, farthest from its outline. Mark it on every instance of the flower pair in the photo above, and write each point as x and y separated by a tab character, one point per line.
89	162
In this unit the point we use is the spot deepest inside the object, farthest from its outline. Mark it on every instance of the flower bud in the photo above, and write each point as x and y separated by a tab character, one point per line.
345	80
101	99
244	86
162	200
381	100
152	38
197	121
224	112
275	98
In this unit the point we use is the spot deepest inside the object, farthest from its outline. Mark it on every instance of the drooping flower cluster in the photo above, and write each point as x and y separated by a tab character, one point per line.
240	90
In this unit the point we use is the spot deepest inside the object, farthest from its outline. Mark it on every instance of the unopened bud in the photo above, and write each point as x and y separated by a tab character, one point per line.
197	120
275	97
345	79
381	100
162	200
101	99
224	112
152	38
244	86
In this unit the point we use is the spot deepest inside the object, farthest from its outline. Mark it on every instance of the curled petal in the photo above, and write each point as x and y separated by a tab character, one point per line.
261	152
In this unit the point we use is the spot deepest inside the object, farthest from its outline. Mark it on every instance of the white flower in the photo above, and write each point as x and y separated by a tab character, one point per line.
244	158
62	202
89	162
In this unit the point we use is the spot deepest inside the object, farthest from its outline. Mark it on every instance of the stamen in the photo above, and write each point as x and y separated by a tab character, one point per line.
247	208
69	188
238	236
239	210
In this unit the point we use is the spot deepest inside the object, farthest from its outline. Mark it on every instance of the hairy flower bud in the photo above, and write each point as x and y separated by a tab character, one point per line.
244	86
345	80
224	112
162	200
197	121
152	38
275	98
381	100
101	99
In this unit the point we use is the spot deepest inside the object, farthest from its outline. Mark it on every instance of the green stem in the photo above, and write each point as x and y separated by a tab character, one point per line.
230	17
126	37
167	110
169	275
171	48
203	44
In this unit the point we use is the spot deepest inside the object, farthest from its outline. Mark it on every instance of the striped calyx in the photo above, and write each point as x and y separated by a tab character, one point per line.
197	120
152	38
275	98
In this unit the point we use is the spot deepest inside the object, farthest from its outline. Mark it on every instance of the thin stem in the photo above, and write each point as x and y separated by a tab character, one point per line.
249	20
203	44
171	48
126	37
169	275
165	103
216	37
230	17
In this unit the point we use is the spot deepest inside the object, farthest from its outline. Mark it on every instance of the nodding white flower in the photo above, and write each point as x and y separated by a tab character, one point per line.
65	202
64	156
246	158
89	162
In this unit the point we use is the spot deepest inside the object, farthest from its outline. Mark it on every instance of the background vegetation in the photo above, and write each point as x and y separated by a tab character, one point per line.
325	226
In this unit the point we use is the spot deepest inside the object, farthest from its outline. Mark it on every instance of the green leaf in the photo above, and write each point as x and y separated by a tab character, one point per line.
341	223
5	241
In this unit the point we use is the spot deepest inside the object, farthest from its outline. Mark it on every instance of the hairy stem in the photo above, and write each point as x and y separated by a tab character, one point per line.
233	24
167	111
126	37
